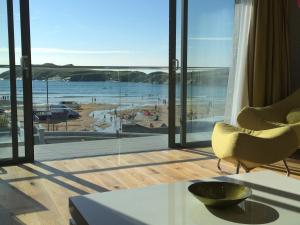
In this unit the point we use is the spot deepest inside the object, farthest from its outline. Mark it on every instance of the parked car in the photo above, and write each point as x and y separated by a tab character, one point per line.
57	114
2	111
41	115
64	109
70	104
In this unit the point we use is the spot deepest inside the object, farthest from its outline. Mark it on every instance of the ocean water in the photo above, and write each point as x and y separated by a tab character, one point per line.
122	93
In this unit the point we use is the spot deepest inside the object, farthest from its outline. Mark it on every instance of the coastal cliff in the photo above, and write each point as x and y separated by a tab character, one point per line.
70	73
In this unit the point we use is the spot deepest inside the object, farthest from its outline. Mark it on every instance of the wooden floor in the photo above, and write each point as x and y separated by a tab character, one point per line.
38	193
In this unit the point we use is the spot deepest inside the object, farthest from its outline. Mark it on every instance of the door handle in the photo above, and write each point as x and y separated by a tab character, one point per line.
24	61
176	65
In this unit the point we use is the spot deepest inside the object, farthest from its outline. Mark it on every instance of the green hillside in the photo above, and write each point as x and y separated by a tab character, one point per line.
52	72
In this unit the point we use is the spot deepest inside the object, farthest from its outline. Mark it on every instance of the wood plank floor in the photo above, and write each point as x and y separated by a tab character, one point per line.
38	193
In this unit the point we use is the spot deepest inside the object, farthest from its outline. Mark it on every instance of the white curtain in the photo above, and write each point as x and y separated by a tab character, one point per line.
237	92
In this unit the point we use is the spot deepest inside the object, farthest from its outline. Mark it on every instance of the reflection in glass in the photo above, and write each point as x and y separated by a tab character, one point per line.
209	59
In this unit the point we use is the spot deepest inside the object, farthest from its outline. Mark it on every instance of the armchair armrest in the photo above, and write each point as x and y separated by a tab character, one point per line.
251	118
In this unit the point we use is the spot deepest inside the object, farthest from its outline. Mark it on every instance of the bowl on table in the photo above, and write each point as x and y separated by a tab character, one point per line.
220	194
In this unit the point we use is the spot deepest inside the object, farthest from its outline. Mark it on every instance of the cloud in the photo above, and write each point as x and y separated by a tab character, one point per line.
210	38
71	51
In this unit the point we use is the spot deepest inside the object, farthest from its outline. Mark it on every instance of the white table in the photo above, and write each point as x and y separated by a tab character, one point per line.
275	200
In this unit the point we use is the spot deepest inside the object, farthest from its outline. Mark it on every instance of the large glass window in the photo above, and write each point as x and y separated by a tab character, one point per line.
100	76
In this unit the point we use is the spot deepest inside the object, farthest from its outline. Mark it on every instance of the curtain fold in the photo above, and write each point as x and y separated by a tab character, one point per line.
268	53
237	91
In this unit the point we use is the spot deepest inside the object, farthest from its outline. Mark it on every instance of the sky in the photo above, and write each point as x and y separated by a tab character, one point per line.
122	32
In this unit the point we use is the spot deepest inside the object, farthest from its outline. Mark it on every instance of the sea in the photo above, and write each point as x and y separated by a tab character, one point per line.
111	92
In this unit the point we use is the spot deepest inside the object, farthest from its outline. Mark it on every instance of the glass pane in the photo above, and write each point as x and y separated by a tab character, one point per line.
209	60
5	107
19	81
99	87
178	72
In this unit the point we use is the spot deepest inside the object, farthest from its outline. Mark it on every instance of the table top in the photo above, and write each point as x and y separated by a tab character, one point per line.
275	200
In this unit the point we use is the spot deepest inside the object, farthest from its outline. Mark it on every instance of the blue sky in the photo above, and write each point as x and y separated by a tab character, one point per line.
124	32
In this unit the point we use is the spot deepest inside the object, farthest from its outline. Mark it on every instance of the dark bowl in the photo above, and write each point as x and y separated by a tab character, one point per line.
219	194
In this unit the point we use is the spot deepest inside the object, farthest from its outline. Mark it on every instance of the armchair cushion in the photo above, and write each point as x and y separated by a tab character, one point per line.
272	116
293	116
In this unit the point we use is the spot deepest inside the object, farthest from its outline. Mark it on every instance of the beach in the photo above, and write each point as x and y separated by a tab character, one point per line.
111	117
147	116
84	123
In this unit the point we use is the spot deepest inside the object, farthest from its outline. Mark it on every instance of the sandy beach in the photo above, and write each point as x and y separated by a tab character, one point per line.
148	116
151	116
85	122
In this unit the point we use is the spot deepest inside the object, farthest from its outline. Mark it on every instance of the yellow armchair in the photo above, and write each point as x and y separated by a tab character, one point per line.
266	134
250	148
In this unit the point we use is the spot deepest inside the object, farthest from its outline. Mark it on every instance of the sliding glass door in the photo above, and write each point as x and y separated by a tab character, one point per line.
99	78
14	111
203	48
115	96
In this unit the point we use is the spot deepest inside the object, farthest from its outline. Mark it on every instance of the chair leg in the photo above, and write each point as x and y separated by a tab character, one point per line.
288	172
238	168
219	167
